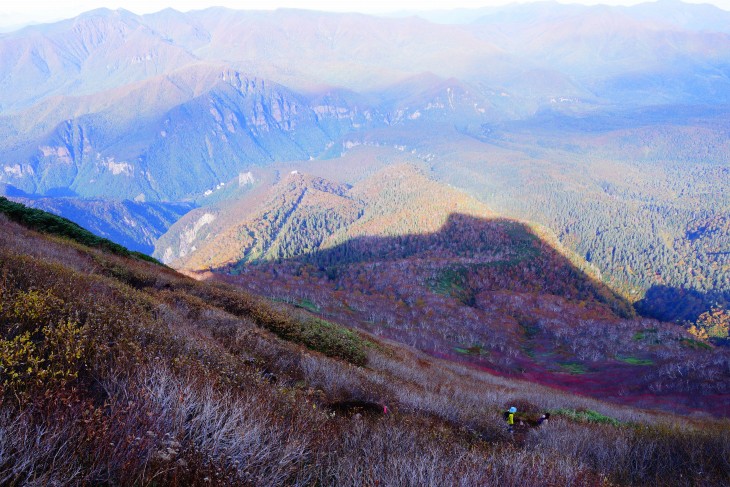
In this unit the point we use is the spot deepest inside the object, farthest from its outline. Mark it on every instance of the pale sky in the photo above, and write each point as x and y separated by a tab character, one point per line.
19	12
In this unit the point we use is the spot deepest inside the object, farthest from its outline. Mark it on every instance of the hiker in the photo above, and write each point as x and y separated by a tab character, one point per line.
543	419
509	416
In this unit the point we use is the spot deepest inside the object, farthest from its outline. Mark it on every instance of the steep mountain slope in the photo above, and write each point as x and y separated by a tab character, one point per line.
303	214
228	205
404	257
158	153
134	225
98	50
118	371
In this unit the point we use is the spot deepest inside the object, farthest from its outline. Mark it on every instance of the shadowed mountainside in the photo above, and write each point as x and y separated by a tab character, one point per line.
132	224
488	291
669	303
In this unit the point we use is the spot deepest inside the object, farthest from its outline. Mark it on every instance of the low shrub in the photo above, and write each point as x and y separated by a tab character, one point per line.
634	360
586	416
332	340
573	367
317	334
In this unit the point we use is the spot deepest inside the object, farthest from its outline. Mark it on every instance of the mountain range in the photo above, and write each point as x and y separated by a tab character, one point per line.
222	140
113	104
304	248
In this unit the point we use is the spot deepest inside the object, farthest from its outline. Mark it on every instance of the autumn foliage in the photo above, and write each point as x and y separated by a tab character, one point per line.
712	324
116	371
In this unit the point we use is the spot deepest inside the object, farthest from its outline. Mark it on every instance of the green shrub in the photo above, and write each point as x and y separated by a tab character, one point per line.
586	416
474	351
317	334
309	305
332	340
634	360
573	367
695	344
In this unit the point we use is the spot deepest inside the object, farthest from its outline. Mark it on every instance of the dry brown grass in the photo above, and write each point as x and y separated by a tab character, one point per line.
182	383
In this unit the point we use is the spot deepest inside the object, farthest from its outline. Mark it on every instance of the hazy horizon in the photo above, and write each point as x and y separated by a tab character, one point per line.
19	15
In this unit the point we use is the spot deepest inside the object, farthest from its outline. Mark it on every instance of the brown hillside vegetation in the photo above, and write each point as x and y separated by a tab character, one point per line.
404	257
491	293
120	372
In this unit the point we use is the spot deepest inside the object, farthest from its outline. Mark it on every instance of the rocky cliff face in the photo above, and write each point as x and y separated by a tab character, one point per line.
132	224
185	148
220	123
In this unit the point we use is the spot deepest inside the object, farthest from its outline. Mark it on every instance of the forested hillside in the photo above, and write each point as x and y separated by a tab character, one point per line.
647	206
402	256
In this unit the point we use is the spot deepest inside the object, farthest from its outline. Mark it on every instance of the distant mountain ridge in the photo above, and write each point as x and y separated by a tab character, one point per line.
109	104
303	214
606	124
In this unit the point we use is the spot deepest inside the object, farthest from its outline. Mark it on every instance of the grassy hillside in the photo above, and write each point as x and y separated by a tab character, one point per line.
118	371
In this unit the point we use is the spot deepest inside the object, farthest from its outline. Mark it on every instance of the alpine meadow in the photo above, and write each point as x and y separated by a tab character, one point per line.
468	247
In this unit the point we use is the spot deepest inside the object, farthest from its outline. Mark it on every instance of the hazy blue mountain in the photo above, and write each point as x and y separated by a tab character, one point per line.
98	50
622	58
209	124
664	13
699	17
137	226
169	105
